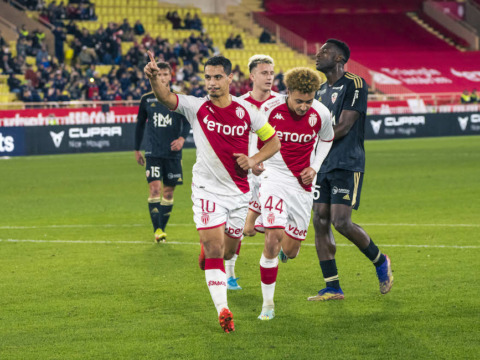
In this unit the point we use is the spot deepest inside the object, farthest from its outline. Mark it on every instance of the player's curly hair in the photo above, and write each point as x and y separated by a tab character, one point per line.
302	79
259	59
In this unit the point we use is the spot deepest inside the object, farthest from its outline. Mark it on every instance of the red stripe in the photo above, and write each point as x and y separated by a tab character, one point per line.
234	237
268	275
176	105
214	264
211	227
274	227
258	212
294	238
238	248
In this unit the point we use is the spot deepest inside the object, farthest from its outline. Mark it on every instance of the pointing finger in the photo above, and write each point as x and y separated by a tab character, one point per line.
150	55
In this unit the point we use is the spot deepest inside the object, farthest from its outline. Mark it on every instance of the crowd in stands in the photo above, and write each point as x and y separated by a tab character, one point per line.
470	98
49	79
234	42
189	23
54	13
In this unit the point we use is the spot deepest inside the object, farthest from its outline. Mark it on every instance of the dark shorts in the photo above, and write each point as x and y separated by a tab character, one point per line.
339	187
167	170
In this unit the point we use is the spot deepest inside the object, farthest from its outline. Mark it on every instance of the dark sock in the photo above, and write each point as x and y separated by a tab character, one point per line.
330	273
154	210
165	210
373	253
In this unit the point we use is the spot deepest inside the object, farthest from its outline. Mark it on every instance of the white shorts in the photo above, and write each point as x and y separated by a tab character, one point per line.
213	210
254	204
285	208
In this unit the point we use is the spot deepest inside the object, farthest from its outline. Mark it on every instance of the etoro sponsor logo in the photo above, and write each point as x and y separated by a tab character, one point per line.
224	129
7	143
295	137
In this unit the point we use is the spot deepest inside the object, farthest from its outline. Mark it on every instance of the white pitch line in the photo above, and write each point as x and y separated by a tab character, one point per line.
243	243
20	227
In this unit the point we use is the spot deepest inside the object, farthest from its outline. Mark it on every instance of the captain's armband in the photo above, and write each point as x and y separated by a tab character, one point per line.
265	132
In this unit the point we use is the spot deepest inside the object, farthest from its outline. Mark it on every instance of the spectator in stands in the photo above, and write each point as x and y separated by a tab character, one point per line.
474	97
238	43
147	40
2	40
175	19
230	43
138	28
60	38
127	30
188	21
22	46
465	98
14	84
23	31
197	23
265	37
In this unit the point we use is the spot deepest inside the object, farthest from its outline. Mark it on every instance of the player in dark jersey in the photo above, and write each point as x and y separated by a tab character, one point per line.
339	181
166	134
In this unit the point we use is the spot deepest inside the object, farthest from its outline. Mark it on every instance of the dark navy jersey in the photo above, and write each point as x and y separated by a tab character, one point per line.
348	93
163	126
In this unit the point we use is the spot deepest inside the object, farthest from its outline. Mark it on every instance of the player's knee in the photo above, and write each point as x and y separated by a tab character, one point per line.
342	224
168	194
249	230
320	222
228	254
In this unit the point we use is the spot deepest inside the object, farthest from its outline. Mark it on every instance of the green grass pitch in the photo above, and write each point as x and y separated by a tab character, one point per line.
80	276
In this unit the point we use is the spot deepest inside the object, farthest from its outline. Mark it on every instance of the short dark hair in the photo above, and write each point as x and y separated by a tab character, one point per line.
342	47
219	60
164	65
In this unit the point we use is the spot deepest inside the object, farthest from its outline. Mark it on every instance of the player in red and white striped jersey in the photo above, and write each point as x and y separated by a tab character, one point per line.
262	76
220	187
305	130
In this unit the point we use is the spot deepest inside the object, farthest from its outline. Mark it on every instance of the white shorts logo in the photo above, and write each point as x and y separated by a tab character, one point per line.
205	218
271	218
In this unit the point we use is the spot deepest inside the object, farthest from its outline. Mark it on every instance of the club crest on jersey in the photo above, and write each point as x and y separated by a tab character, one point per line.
205	218
312	119
240	112
271	218
334	97
278	116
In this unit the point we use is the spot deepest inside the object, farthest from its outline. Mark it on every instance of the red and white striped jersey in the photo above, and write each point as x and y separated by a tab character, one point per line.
218	134
299	136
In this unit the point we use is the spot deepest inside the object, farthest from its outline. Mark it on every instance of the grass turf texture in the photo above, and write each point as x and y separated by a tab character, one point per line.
117	295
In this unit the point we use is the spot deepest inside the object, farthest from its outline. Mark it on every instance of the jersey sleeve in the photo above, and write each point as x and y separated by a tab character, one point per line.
260	125
188	106
326	133
356	95
141	121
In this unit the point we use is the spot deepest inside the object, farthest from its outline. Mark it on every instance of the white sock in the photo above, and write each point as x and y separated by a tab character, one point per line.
217	285
230	266
267	266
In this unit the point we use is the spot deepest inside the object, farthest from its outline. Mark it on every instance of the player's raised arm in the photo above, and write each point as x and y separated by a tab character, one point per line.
161	90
